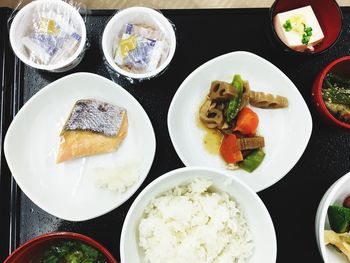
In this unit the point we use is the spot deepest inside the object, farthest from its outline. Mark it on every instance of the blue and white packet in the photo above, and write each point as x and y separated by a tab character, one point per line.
139	49
50	40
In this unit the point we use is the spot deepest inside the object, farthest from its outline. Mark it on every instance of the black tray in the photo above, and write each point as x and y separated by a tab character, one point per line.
201	36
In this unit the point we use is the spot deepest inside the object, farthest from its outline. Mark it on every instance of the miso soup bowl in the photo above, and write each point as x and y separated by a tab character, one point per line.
324	10
339	66
257	216
34	246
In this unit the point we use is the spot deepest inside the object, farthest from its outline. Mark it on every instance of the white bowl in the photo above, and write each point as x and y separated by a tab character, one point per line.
335	194
21	22
137	15
257	216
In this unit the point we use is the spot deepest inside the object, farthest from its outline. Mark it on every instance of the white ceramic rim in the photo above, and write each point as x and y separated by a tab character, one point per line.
322	220
56	66
132	10
47	89
173	173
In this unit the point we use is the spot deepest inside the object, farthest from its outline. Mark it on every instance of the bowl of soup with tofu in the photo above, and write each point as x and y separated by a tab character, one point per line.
305	27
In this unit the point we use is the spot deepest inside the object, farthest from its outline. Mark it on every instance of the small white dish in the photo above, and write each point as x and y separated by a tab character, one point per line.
256	214
25	17
335	195
286	131
69	190
141	16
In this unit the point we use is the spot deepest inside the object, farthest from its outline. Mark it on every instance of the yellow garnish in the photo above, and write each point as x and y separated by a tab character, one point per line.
298	22
126	45
48	26
51	27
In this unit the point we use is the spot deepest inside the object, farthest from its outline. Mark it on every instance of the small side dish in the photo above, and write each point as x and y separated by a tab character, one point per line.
51	39
339	221
226	111
93	127
336	96
68	251
195	222
49	35
138	42
299	29
140	49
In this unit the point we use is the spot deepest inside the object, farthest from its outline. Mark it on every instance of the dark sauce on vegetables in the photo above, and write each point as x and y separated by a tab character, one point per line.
69	251
336	95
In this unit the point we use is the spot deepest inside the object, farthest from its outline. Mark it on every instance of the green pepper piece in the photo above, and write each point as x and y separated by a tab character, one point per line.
252	161
234	104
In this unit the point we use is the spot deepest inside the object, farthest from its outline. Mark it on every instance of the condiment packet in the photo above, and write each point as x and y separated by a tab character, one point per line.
140	49
51	40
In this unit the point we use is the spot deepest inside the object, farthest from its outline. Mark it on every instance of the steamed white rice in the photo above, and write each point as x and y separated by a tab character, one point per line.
193	223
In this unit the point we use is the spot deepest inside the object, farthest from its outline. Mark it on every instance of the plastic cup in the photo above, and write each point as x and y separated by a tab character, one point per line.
141	16
25	16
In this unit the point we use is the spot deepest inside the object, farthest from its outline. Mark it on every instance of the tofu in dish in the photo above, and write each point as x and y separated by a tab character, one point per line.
299	29
93	127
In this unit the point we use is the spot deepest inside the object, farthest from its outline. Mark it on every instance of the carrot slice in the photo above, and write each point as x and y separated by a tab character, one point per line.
229	149
247	121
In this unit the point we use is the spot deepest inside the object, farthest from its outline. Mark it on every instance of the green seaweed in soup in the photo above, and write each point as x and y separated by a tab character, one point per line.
336	96
69	251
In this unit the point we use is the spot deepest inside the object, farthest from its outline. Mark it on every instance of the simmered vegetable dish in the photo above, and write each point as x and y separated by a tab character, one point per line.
226	110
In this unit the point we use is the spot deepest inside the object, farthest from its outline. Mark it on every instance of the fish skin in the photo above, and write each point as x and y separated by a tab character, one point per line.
95	116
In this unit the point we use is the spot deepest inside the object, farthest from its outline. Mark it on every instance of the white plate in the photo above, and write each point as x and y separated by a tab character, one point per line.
69	190
286	131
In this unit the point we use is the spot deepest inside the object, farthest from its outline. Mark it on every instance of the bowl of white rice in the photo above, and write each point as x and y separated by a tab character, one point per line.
198	215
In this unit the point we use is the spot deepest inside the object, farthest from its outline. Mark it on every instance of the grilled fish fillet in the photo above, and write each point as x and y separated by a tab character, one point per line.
93	127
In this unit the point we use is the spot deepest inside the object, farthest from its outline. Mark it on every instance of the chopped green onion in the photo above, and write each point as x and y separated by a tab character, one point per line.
305	39
287	25
307	35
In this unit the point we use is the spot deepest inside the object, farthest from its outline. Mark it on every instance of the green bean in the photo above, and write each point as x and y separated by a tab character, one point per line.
234	104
